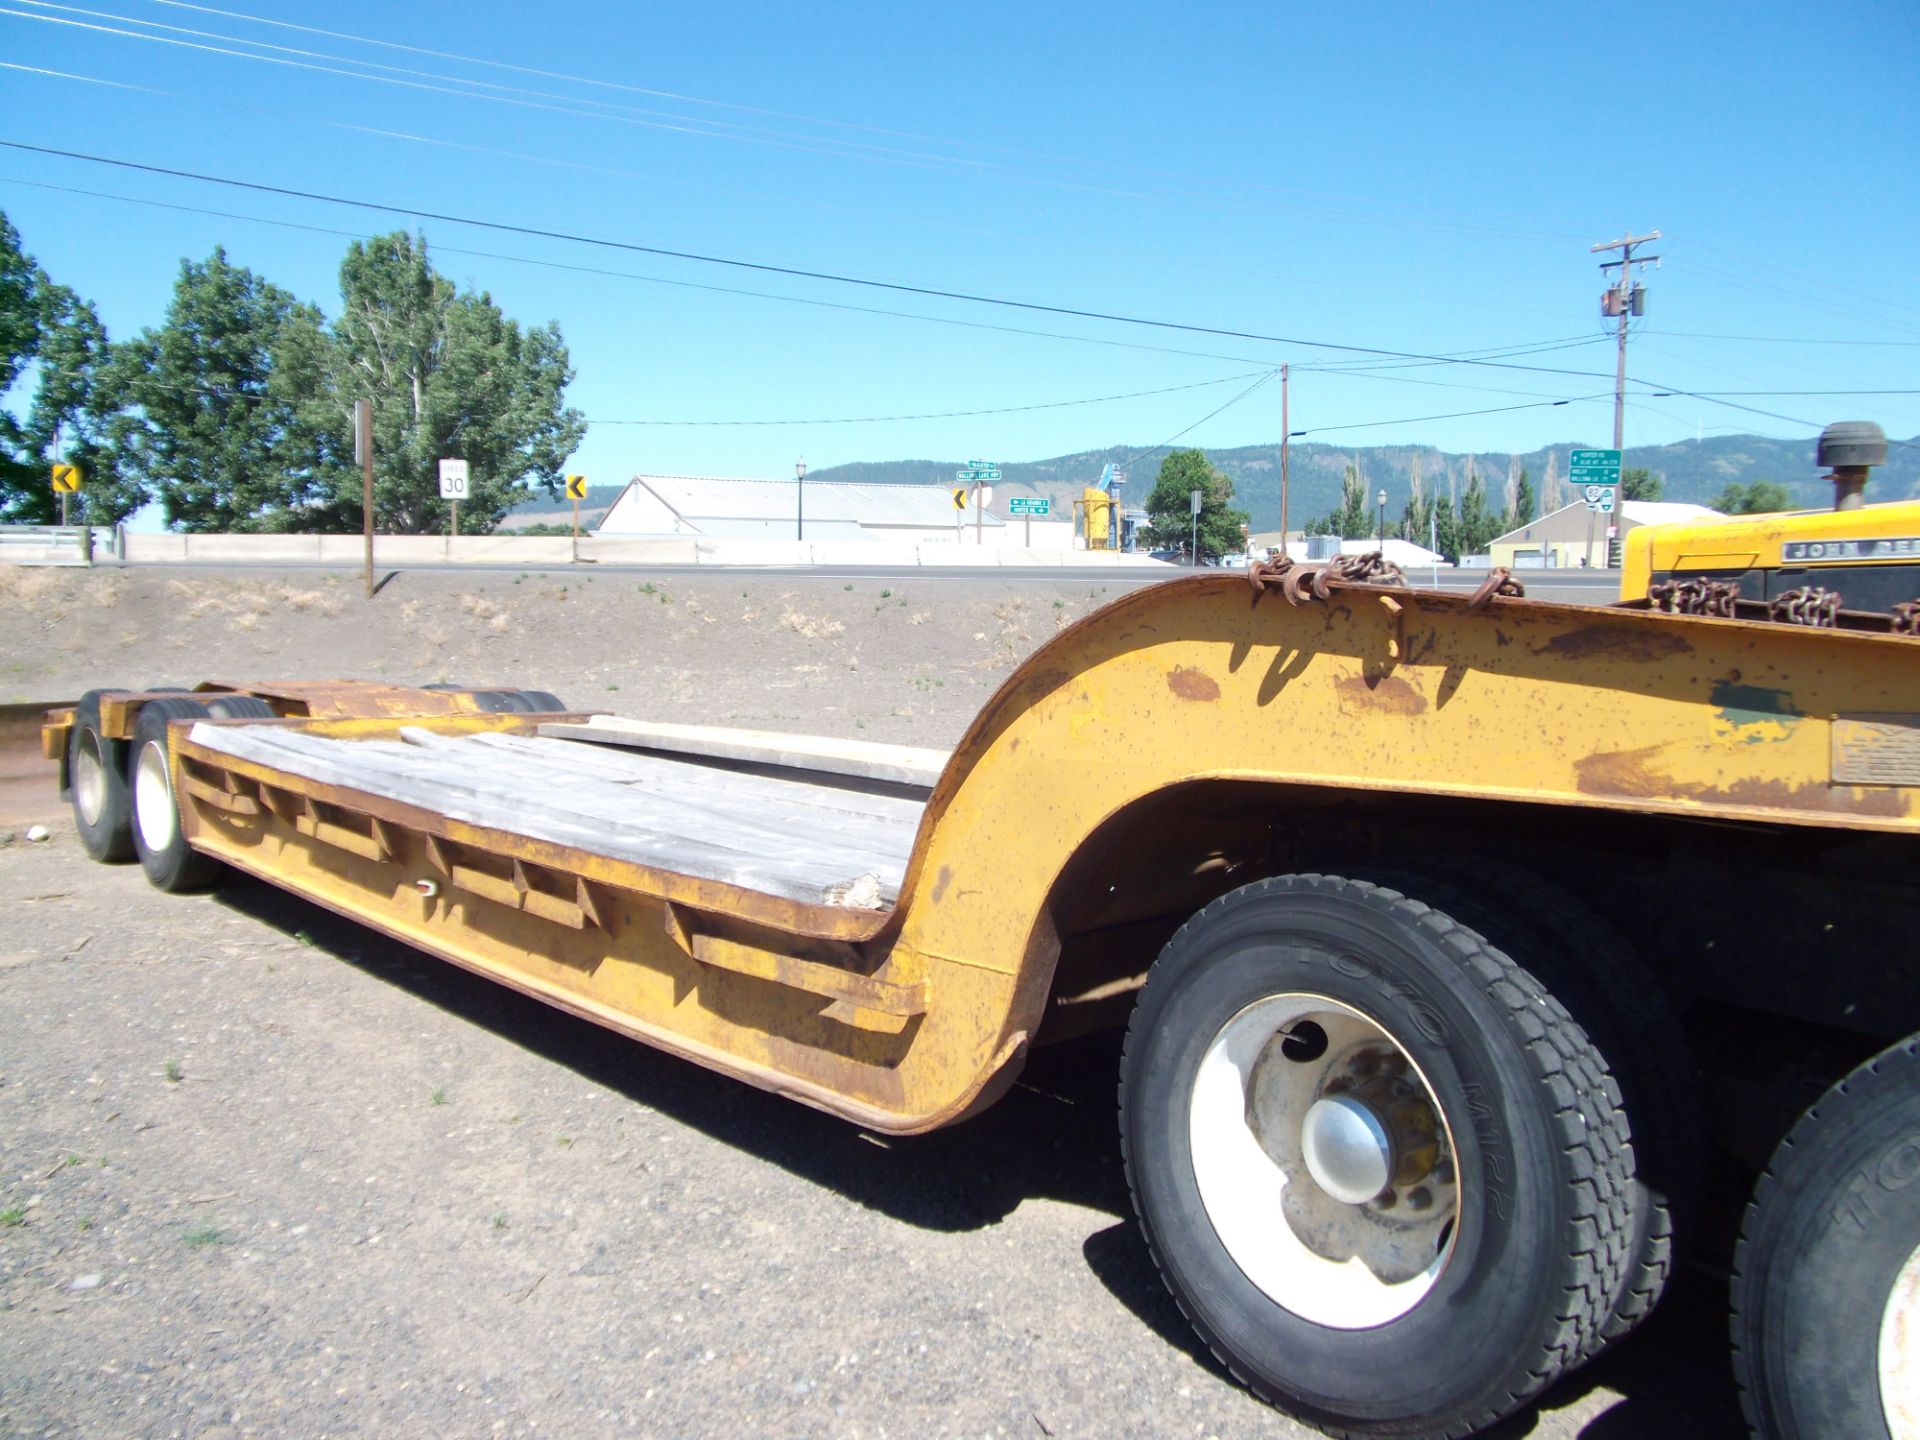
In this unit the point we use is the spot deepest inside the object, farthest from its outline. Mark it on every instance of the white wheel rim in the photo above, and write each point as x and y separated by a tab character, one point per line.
1900	1354
1332	1262
89	778
153	797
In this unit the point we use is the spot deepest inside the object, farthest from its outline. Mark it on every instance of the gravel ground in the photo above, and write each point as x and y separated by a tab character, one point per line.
265	1173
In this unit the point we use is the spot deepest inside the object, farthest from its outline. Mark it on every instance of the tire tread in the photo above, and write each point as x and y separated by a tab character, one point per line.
1600	1151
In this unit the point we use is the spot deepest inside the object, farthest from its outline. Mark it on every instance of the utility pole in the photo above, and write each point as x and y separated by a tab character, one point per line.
363	443
1284	438
1624	299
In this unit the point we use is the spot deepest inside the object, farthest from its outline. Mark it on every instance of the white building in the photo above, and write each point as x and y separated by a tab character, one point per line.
1575	535
656	506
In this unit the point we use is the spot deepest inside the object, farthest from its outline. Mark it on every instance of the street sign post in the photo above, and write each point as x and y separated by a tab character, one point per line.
1595	474
1028	506
454	476
66	481
576	492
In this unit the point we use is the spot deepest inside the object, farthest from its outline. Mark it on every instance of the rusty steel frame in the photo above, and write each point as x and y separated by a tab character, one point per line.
907	1019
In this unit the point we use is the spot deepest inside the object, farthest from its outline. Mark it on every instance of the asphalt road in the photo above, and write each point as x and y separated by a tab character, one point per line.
1578	587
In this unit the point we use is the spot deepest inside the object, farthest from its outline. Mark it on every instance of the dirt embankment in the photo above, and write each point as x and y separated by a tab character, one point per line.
906	660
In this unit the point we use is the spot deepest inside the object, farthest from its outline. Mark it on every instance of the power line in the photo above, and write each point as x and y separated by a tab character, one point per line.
797	272
1238	187
1452	415
1182	434
1781	339
940	414
600	271
434	83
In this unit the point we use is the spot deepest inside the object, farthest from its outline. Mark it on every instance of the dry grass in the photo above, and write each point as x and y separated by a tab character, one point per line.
810	627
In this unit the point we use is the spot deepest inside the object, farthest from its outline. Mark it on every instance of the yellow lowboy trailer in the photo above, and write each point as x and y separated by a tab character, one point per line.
1446	928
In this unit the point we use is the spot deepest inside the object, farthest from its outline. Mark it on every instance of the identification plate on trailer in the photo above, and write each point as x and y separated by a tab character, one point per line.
1876	749
1883	547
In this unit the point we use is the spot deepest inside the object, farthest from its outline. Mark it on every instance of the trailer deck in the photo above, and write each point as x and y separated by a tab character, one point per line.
822	838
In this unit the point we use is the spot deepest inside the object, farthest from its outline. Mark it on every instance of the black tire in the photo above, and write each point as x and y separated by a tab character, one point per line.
545	702
1834	1227
1526	1274
170	862
97	785
502	702
237	707
1591	969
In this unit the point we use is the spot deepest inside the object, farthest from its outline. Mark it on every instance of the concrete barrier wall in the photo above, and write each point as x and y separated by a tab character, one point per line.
556	550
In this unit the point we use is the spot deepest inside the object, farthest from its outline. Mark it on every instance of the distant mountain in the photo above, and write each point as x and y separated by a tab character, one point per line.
1691	470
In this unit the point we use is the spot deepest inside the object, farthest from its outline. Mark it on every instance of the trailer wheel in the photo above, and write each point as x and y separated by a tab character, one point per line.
1378	1165
1571	949
237	707
170	862
97	782
1826	1284
546	702
502	702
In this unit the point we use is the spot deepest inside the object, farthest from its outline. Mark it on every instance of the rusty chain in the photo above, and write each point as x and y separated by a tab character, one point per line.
1499	581
1299	583
1809	605
1695	597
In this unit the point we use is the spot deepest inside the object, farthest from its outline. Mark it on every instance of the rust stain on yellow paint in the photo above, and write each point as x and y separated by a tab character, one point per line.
1192	684
1384	692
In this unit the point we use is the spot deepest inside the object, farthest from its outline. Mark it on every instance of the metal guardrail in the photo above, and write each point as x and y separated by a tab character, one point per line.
46	544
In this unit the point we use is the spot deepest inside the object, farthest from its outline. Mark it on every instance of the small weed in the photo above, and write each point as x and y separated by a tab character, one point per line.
303	937
859	724
515	1119
886	594
846	587
13	1217
73	1160
665	599
173	1073
613	687
651	589
518	579
563	1141
439	1097
1059	604
85	1222
201	1236
499	1218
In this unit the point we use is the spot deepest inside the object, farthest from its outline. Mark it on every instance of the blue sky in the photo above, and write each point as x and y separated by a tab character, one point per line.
1413	178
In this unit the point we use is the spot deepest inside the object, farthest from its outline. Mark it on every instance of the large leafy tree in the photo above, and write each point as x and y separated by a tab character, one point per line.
215	427
1762	497
1641	485
48	330
1169	510
450	376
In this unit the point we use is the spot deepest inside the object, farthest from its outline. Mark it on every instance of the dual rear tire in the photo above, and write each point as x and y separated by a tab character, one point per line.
1383	1171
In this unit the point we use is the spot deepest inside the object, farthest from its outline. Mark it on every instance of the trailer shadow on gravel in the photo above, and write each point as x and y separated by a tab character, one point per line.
1053	1137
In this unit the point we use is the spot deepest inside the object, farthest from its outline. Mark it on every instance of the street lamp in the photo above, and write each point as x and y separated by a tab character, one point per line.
800	514
1382	499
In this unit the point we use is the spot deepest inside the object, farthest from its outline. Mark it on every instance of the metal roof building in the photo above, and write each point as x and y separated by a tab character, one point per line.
1575	535
664	505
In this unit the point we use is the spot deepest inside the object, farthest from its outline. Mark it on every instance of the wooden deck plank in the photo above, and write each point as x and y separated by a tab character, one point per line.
778	836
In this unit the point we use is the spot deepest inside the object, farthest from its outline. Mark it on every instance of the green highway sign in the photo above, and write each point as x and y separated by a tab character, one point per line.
1599	466
978	472
1029	505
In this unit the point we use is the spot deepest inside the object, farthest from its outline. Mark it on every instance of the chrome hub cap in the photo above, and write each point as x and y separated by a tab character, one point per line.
89	778
1323	1161
153	798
